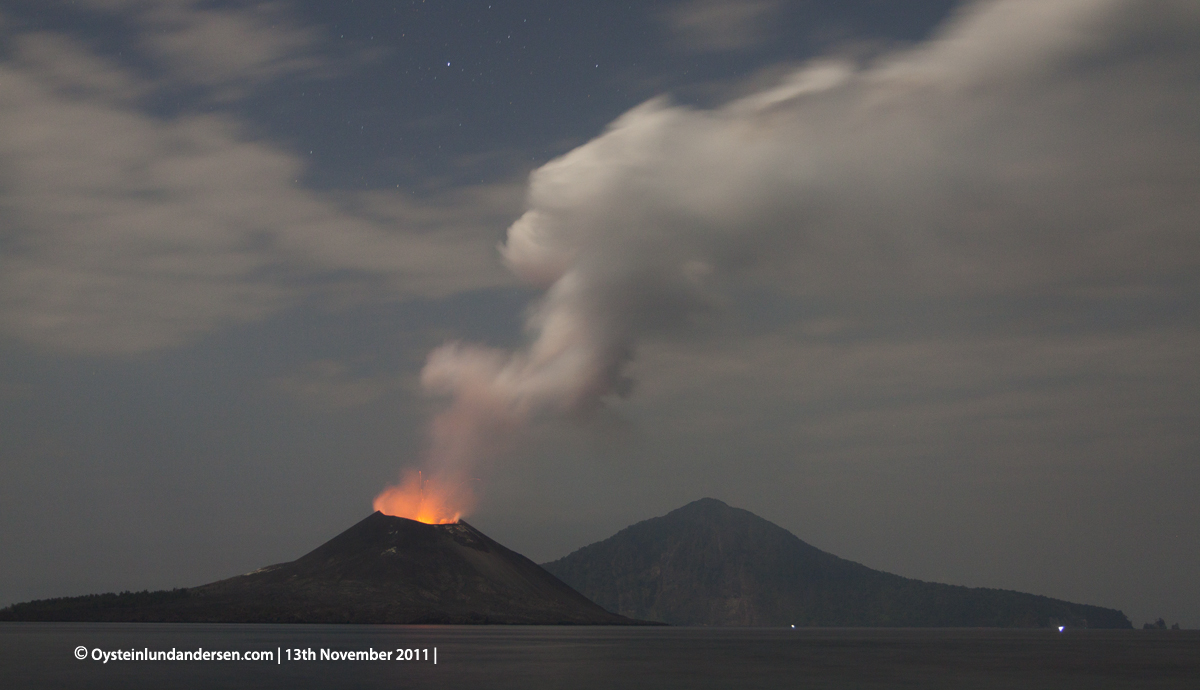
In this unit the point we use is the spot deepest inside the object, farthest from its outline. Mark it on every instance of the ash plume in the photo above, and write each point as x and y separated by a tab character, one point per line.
1030	145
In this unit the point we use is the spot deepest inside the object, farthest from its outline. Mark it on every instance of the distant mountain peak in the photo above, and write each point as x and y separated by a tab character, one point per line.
704	503
708	563
701	506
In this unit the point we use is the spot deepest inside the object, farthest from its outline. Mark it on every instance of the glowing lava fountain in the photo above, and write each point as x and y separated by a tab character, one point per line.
429	501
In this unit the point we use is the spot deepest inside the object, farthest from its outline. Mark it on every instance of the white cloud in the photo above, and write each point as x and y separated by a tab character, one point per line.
720	25
126	232
952	171
933	170
226	48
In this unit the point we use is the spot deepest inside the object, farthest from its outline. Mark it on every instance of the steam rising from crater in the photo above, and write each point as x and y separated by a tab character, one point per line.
1031	143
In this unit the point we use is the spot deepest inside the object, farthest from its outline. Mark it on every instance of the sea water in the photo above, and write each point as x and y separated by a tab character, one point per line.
131	656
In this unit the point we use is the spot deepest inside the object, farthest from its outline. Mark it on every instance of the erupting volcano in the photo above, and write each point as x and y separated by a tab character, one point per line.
384	569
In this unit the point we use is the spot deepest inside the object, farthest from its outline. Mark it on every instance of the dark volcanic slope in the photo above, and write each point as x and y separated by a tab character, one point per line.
382	570
709	564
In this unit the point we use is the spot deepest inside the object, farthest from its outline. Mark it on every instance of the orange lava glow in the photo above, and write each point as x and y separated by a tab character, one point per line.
424	500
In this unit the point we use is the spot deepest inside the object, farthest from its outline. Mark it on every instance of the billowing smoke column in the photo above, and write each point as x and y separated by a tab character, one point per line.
1032	143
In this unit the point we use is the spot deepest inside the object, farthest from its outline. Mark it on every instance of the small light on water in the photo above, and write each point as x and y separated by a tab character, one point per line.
1060	628
793	626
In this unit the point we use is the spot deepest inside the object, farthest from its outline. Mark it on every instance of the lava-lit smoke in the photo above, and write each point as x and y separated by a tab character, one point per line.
475	425
986	161
433	502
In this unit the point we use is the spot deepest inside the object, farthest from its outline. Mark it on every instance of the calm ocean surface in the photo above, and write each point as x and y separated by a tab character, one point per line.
43	655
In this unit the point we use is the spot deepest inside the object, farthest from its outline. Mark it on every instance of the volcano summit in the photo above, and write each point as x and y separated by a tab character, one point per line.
382	570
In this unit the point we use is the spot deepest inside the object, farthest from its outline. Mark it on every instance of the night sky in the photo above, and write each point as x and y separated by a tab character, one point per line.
919	281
